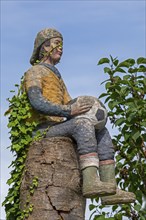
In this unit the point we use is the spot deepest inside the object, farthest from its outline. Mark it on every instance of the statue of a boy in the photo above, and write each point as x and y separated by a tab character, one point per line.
49	99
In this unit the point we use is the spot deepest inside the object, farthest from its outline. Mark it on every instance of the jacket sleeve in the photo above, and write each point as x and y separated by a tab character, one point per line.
33	87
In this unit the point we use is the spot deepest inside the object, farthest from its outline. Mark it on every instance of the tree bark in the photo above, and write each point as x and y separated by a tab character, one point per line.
58	195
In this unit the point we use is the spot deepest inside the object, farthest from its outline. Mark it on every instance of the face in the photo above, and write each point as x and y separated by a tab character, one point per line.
55	50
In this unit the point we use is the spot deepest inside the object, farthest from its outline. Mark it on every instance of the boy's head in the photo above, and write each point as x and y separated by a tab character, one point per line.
45	39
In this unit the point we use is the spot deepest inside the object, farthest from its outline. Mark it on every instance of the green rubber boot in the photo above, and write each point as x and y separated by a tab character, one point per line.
107	175
93	187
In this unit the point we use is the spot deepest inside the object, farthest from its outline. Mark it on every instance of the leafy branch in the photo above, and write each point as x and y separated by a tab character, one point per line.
126	98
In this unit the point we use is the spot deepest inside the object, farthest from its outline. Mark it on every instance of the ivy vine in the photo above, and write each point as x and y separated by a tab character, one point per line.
21	136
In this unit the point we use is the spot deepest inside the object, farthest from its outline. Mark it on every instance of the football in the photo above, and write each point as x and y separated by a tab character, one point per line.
97	114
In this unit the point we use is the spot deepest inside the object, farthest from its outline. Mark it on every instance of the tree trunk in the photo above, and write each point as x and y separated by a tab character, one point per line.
58	196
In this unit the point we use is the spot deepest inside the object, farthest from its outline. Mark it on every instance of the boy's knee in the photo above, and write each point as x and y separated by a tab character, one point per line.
83	122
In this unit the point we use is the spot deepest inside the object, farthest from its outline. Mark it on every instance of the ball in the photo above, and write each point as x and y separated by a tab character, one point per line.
97	114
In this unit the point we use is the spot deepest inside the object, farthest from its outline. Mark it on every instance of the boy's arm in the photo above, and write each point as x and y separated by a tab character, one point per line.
44	106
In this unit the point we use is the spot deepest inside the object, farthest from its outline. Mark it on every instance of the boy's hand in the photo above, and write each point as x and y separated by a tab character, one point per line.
81	107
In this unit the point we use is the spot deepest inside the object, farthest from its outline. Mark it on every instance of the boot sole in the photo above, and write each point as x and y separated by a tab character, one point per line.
118	201
92	194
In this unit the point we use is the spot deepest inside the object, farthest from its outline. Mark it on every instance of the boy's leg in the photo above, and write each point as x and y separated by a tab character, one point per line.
107	169
83	132
105	146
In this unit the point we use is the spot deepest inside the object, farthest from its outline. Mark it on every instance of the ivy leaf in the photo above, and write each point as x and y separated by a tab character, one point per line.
130	61
133	70
126	77
10	199
114	207
142	69
10	181
118	69
124	64
107	99
137	207
91	207
99	217
16	147
115	62
119	121
103	60
139	196
135	135
107	70
113	59
141	60
30	208
103	95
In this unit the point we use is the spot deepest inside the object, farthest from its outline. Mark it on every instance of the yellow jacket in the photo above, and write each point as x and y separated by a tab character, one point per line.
52	87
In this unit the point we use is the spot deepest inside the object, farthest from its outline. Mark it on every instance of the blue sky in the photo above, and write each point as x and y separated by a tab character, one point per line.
91	30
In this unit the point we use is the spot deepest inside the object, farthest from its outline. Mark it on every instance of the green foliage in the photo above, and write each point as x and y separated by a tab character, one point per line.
126	98
21	136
